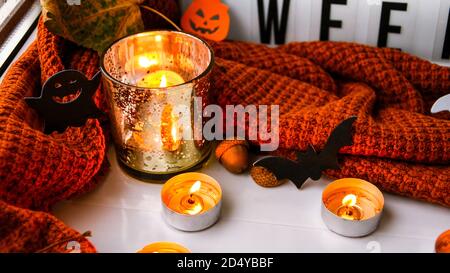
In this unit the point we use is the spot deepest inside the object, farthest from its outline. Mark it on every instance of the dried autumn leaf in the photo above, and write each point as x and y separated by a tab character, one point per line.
94	23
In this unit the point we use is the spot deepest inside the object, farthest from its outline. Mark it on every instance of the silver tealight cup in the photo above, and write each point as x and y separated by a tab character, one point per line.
352	207
191	201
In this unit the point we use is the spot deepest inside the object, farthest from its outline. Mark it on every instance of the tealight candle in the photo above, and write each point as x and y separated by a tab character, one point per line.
191	201
352	207
161	79
164	247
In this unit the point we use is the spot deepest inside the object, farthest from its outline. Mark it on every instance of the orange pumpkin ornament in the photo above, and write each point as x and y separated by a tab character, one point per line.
208	19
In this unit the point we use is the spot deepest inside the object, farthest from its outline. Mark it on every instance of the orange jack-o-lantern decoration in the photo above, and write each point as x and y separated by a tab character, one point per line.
208	19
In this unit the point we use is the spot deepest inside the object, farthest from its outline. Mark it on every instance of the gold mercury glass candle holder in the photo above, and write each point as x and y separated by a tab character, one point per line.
352	207
191	201
151	81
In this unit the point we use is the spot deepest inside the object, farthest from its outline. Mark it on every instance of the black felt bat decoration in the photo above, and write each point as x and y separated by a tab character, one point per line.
309	164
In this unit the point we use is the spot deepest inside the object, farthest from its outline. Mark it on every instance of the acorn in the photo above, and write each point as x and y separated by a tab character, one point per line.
443	243
233	155
264	177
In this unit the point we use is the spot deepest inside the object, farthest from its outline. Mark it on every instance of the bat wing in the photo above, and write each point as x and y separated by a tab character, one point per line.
284	168
340	137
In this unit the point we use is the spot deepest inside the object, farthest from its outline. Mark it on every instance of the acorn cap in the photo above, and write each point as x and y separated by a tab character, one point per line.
264	177
227	144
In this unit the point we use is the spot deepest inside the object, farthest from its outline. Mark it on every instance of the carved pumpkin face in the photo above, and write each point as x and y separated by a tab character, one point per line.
208	19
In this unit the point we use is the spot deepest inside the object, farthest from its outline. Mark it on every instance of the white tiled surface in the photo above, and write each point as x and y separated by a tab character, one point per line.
124	215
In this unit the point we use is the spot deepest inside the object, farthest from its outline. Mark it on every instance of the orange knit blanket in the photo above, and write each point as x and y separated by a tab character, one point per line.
398	145
38	170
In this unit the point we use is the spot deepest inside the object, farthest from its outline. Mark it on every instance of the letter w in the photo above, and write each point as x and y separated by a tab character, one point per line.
265	30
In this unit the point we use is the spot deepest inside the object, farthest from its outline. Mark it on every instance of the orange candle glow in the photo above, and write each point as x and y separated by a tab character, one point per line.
170	130
352	207
164	247
349	210
191	201
192	197
160	78
353	199
193	204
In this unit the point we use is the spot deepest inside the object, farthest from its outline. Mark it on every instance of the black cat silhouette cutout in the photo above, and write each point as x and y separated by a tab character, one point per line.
60	113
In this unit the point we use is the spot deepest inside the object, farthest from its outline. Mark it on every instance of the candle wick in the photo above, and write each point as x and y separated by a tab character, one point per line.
190	200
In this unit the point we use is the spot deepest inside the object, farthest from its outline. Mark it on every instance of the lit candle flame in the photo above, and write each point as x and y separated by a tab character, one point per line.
196	206
159	78
163	82
195	188
349	200
349	210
